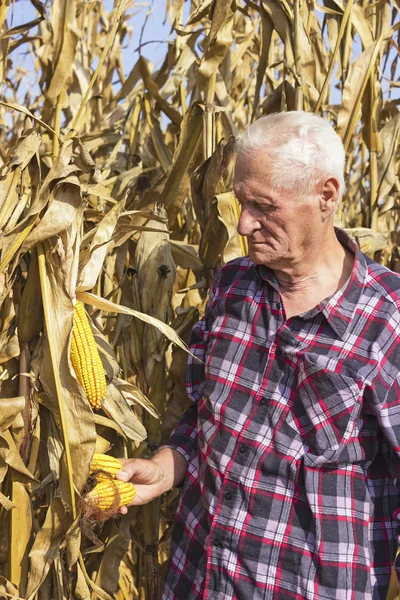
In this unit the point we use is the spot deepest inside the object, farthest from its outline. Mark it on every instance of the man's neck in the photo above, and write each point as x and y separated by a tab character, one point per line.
315	277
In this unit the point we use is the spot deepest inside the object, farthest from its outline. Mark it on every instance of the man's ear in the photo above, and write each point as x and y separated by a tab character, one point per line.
329	197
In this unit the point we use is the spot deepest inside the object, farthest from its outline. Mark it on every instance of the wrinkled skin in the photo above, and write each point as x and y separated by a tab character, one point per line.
293	236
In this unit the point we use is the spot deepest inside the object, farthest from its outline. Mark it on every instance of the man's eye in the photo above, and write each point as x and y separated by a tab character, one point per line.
264	208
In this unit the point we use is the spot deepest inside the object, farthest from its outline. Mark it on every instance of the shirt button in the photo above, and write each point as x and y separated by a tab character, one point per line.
263	402
278	305
228	495
242	449
217	543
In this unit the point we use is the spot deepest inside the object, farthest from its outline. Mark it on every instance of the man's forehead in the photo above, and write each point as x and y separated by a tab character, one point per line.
249	169
255	190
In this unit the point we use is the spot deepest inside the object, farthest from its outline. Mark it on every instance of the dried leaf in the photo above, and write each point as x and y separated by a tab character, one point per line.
21	525
56	373
94	258
134	395
350	110
116	407
186	255
108	306
46	546
369	241
10	408
60	215
390	137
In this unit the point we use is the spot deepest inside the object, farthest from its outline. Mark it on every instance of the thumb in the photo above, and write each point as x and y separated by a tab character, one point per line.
138	470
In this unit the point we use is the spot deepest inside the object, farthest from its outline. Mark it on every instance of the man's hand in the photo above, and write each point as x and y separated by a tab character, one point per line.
152	478
147	478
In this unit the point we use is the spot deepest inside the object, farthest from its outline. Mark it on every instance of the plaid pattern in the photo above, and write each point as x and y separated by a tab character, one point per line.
293	442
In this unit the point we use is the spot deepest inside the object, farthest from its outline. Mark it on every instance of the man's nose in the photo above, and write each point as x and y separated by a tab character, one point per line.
247	222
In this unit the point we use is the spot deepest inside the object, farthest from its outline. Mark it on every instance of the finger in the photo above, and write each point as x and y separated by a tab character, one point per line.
143	495
130	467
138	471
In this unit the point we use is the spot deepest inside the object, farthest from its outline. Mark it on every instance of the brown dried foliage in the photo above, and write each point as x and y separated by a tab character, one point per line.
115	188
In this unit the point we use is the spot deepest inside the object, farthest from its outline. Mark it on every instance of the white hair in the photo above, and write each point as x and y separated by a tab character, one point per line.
303	148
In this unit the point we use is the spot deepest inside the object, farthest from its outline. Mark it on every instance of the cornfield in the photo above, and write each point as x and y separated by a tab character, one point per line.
116	191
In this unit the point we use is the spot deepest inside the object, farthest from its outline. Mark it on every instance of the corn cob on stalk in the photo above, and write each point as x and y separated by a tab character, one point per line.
111	494
105	463
85	359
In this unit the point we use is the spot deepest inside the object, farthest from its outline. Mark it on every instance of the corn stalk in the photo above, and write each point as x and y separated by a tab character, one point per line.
116	189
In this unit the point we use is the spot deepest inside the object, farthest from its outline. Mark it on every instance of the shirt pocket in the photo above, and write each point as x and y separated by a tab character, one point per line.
325	410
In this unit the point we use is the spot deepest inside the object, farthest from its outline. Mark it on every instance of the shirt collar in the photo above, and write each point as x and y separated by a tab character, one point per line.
338	309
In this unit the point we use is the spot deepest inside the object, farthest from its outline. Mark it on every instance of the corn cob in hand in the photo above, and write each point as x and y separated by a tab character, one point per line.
111	494
106	464
107	494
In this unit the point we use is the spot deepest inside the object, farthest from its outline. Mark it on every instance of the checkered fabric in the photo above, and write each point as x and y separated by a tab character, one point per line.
292	442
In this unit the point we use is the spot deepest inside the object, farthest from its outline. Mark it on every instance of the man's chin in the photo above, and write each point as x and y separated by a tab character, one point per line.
261	257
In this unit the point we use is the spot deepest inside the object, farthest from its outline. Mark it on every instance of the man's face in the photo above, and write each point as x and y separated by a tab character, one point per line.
279	227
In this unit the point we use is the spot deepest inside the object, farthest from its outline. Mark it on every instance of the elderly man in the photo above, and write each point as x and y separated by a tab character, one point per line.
289	455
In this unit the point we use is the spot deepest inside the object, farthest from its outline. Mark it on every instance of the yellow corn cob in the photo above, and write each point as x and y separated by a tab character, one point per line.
85	359
106	463
107	492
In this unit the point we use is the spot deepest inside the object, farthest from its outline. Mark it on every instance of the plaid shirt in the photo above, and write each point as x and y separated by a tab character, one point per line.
292	442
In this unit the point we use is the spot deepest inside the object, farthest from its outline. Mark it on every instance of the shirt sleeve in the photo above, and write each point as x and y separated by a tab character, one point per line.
387	409
386	389
183	438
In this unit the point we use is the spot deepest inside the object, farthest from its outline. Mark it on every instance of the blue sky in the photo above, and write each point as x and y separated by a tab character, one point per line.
22	11
156	34
155	31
